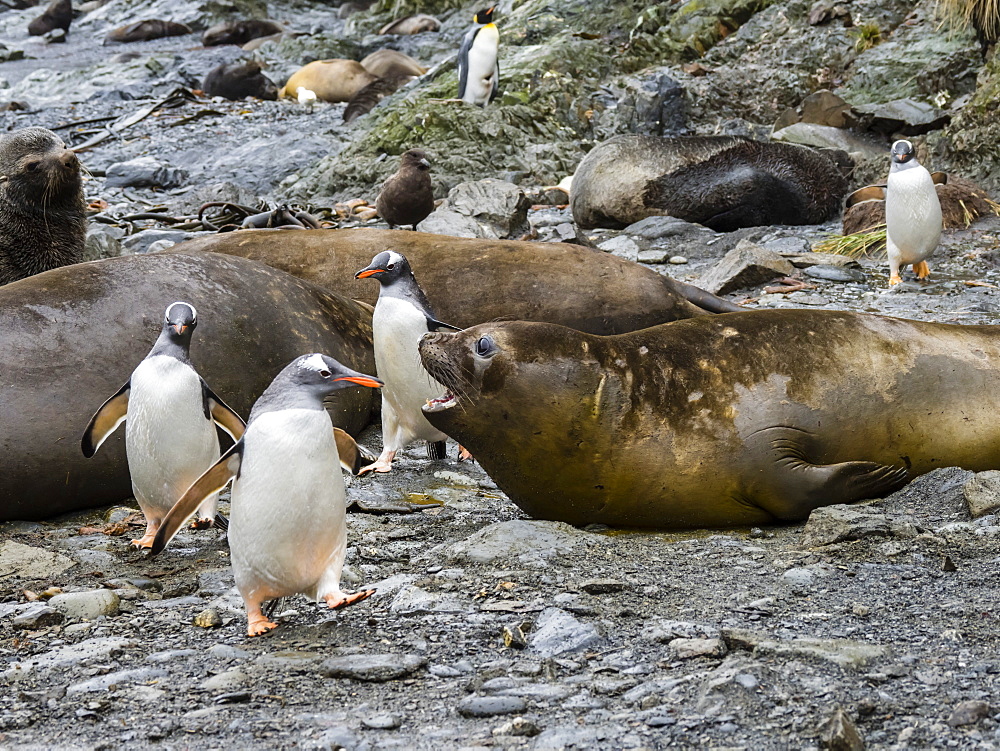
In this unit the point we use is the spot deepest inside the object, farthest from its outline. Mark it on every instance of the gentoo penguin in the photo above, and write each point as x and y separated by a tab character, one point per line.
912	211
407	196
287	529
402	315
170	415
478	61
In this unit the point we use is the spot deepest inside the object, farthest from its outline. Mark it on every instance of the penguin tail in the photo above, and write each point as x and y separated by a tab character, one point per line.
436	450
221	522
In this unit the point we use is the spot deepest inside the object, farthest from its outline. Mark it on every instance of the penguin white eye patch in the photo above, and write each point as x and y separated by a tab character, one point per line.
194	313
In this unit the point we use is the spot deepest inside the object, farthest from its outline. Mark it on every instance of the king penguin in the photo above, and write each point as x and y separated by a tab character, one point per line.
402	315
478	61
170	415
287	528
912	214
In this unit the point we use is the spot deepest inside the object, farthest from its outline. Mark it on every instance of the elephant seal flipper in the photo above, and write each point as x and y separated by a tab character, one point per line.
106	421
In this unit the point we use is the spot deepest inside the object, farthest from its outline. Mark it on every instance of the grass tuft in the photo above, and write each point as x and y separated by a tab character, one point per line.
854	246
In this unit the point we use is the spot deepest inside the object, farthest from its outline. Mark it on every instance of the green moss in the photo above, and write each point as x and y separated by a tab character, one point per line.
305	49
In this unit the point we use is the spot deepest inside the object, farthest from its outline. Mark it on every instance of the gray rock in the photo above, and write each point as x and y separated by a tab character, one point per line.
516	538
659	227
497	210
837	273
289	661
171	655
119	678
825	137
102	242
519	727
677	260
969	713
145	172
229	680
447	222
686	649
381	722
26	562
906	117
411	600
621	246
805	260
490	706
839	733
665	631
746	265
142	242
651	103
841	652
373	668
602	586
798	578
982	493
823	107
86	605
38	615
557	632
832	524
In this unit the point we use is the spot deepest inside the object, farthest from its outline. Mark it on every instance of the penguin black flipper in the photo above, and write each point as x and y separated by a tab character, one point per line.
496	81
463	60
867	193
353	456
214	479
106	420
435	325
939	178
221	413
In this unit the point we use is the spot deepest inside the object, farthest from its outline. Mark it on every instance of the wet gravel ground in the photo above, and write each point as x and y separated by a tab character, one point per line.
488	629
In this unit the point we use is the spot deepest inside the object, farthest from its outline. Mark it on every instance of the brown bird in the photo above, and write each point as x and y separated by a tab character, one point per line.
407	197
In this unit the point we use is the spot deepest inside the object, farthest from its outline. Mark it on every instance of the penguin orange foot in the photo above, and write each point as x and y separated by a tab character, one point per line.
202	523
894	280
922	270
257	624
382	464
144	542
346	599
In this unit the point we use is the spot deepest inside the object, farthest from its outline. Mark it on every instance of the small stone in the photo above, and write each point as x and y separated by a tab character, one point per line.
982	493
798	578
226	681
968	713
947	564
490	706
518	727
653	256
834	273
208	618
28	562
381	722
839	733
514	638
746	265
621	246
557	632
602	586
87	605
677	260
38	616
373	668
686	649
144	172
860	610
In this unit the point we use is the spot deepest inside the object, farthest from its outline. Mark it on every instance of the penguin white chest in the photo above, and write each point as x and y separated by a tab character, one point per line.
168	438
912	214
482	65
397	327
287	527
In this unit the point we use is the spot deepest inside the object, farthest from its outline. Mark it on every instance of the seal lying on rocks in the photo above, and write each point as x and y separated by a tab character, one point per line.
331	80
736	420
43	221
141	31
470	280
85	326
239	80
722	182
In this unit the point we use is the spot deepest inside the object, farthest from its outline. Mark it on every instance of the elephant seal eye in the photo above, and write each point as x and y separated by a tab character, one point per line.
484	346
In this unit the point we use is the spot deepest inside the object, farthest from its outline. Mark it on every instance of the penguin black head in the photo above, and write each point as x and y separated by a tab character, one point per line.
387	267
180	320
485	16
417	159
304	382
902	152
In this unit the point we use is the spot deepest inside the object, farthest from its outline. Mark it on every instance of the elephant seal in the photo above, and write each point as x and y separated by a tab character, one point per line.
71	336
240	32
331	80
736	420
470	280
391	63
415	24
722	182
142	31
239	80
43	220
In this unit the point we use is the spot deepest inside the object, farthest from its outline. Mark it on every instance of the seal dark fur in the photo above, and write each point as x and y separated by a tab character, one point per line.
239	32
70	337
58	15
239	80
722	182
142	31
742	419
474	280
43	221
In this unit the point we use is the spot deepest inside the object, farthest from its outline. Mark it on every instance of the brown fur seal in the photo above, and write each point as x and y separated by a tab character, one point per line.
239	32
43	221
415	24
365	100
331	80
386	62
142	31
70	337
470	280
59	15
722	182
239	80
736	420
